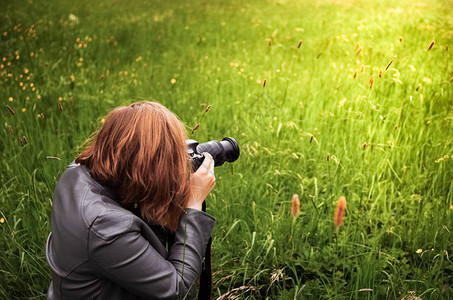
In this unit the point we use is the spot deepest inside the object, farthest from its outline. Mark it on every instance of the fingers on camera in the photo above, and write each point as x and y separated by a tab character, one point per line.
208	168
208	162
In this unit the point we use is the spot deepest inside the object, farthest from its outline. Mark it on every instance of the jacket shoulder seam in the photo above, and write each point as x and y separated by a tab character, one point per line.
82	206
123	230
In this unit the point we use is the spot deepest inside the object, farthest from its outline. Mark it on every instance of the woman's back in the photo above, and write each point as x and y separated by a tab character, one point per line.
97	249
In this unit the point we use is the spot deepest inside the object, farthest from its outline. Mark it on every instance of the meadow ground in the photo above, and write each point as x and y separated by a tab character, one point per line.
326	99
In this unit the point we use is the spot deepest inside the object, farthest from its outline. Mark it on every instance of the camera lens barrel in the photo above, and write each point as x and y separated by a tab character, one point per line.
215	148
226	150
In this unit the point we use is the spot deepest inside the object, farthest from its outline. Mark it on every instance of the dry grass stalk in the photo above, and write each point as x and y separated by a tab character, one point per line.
295	205
233	293
411	296
339	212
53	157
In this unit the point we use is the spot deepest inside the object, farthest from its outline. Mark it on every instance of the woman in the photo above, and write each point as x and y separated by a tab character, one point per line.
98	248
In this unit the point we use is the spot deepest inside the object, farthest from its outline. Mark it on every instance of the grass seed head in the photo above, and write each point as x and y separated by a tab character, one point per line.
390	62
354	75
300	44
371	82
60	107
359	50
10	110
23	141
208	108
381	73
264	83
269	41
400	39
277	275
431	45
418	87
295	205
339	212
11	130
364	145
195	127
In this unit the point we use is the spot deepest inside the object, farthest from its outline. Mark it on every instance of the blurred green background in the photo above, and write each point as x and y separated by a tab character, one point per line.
326	98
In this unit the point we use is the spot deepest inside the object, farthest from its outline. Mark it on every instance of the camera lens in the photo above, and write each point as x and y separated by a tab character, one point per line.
226	150
215	149
231	149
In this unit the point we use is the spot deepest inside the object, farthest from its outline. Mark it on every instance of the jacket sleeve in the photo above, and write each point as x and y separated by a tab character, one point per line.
129	260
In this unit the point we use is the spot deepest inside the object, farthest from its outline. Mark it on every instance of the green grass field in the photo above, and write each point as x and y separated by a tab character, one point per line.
326	99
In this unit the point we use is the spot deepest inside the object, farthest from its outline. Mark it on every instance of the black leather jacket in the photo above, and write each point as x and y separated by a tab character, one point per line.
98	250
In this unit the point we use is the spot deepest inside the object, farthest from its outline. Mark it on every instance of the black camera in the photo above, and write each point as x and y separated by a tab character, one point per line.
226	150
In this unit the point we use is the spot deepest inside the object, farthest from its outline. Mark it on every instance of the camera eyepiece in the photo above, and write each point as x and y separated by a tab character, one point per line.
225	150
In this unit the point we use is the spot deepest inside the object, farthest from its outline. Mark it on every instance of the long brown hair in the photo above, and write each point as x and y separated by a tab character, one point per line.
140	152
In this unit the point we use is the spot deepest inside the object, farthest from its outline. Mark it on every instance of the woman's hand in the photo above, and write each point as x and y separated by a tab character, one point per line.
202	182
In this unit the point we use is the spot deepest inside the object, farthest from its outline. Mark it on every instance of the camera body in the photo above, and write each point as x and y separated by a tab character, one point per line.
225	150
